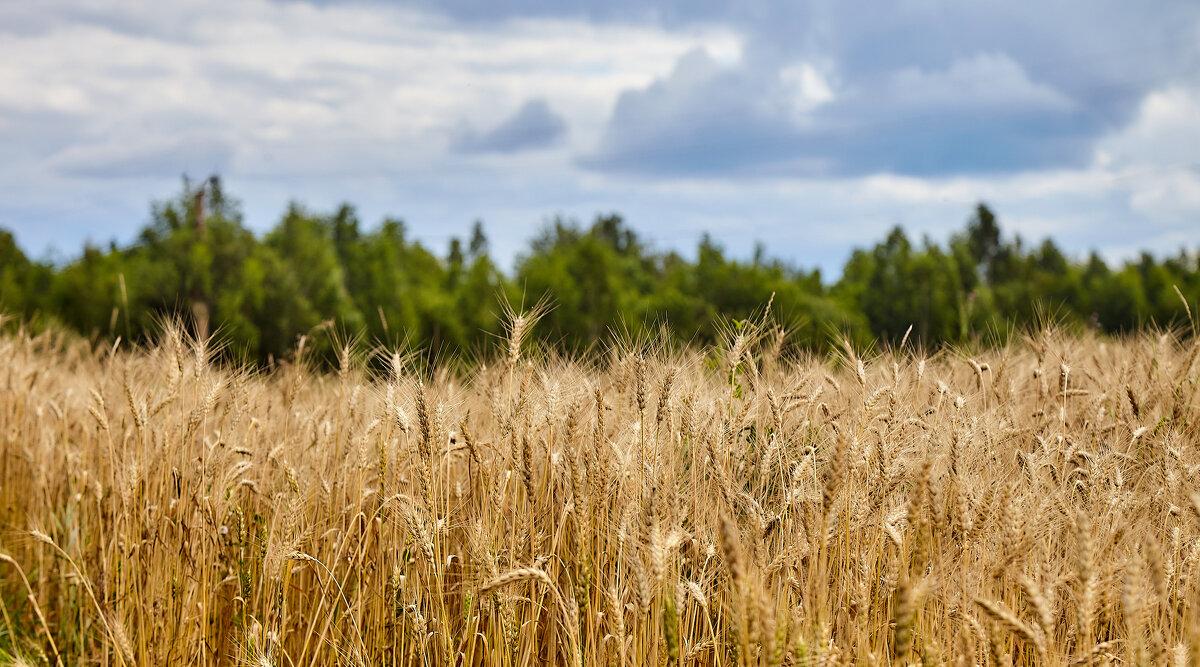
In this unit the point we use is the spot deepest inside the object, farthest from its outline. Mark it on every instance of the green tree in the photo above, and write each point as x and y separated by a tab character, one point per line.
23	282
479	240
196	260
307	246
983	239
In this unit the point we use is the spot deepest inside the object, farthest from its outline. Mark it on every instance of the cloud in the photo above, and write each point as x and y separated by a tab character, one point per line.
986	82
979	69
308	82
1166	130
1157	156
703	117
1085	46
980	114
534	125
197	155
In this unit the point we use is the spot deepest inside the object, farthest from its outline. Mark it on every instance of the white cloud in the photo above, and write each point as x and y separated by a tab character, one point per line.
987	80
807	86
1156	158
268	74
1166	130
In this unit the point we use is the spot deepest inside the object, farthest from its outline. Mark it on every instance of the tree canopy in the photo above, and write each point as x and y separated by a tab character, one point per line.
196	260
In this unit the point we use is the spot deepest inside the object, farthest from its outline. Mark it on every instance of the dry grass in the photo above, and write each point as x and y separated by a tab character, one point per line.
1030	505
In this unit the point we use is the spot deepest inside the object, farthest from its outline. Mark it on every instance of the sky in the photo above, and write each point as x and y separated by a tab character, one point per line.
811	127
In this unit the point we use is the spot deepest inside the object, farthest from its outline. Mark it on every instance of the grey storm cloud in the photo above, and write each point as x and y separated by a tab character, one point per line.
701	118
981	114
535	125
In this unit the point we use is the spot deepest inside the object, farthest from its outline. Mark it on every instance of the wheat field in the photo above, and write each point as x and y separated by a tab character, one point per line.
1034	503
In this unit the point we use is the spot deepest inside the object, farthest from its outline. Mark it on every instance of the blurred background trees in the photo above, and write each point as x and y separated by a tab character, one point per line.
195	259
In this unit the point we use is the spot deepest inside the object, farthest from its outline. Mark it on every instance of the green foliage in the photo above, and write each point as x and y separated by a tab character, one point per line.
21	280
316	272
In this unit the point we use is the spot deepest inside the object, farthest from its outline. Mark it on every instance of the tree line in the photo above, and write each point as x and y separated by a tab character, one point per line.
196	261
